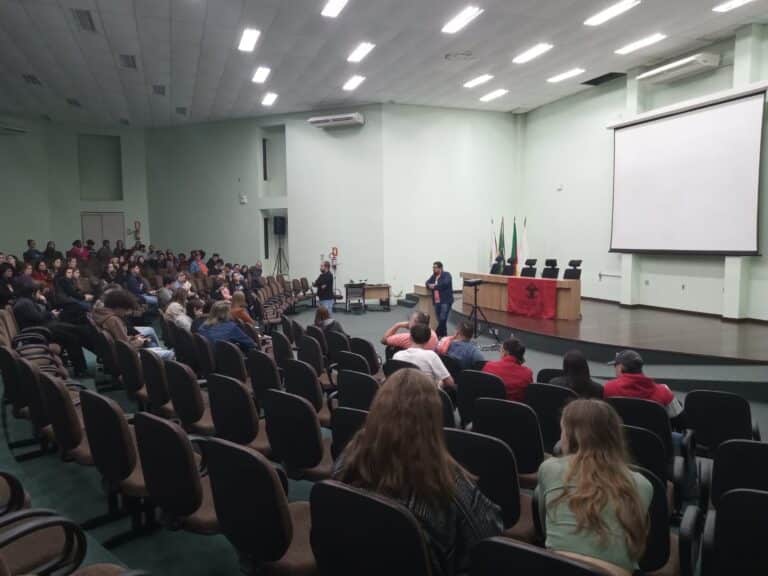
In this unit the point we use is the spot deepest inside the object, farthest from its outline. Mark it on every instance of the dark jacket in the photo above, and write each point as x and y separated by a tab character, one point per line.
324	285
30	313
135	285
444	286
589	389
66	290
228	331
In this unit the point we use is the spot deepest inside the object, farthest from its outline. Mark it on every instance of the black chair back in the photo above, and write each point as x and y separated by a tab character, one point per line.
717	416
29	379
548	402
493	462
451	364
572	274
109	437
298	333
517	425
657	547
345	423
232	408
251	504
739	464
293	430
646	414
492	553
287	329
169	466
528	272
473	384
366	350
155	379
341	547
130	367
264	374
356	389
311	353
546	375
105	350
281	348
551	273
11	380
67	428
647	451
184	391
319	335
168	332
230	361
301	379
205	358
185	349
351	361
337	342
449	420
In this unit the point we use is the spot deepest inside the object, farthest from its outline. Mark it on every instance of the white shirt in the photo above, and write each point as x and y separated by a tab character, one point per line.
426	360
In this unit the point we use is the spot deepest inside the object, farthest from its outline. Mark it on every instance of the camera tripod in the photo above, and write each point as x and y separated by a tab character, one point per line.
476	313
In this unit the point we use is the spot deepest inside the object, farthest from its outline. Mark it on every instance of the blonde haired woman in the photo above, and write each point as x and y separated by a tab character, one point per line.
220	326
596	508
239	309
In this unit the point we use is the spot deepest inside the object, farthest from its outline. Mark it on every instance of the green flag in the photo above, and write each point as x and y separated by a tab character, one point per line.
513	252
502	252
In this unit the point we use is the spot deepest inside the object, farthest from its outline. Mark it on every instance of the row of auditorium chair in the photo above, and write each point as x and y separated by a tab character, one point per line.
504	449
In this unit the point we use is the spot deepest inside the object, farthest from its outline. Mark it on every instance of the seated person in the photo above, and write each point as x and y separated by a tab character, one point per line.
32	254
239	309
7	284
510	369
401	454
25	278
461	348
135	284
118	305
182	282
403	340
220	326
595	508
632	383
176	311
68	291
576	376
165	292
198	311
427	360
41	275
325	322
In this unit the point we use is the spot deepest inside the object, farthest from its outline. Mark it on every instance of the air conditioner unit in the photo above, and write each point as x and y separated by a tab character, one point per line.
352	119
689	66
8	129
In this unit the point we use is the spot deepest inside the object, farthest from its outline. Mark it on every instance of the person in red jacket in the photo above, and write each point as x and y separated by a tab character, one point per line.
630	382
510	369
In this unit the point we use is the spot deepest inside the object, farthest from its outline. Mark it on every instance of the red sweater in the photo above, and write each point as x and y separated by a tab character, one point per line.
515	376
638	386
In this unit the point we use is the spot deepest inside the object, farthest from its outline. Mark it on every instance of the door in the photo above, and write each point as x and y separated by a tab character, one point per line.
100	226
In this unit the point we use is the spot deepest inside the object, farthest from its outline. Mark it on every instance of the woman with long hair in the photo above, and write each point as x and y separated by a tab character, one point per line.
325	322
595	507
176	311
576	376
220	326
401	454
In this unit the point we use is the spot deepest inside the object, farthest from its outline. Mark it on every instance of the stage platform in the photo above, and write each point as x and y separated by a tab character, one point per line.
662	336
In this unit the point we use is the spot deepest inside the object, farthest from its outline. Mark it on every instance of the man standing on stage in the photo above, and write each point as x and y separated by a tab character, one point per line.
324	285
441	285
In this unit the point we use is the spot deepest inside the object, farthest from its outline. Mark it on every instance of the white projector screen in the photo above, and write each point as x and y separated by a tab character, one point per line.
689	182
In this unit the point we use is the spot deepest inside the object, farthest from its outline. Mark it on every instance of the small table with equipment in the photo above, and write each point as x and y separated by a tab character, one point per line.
356	295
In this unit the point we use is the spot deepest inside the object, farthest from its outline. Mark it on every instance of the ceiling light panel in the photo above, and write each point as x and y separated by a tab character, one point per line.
248	40
478	81
611	12
566	75
494	95
362	50
333	8
261	75
269	99
640	44
353	82
732	5
462	19
532	53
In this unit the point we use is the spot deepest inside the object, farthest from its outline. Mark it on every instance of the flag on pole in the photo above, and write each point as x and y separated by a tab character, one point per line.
522	247
502	252
492	252
513	251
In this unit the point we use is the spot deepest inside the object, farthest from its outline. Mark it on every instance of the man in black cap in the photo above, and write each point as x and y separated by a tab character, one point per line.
630	382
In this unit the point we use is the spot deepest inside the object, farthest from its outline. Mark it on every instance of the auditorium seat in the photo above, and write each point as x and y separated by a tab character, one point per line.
298	333
337	342
294	434
186	350
156	381
391	366
319	335
716	416
270	534
366	350
172	476
473	384
517	425
301	379
264	375
493	463
229	361
13	497
287	329
451	365
356	389
281	348
349	526
489	554
345	422
311	353
351	361
66	423
205	358
106	352
188	400
234	413
29	380
548	401
133	376
449	417
546	375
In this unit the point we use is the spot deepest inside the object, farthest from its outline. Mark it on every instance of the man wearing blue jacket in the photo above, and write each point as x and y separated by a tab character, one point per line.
441	285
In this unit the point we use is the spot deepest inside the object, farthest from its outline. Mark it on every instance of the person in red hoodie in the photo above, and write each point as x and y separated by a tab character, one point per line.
510	369
630	382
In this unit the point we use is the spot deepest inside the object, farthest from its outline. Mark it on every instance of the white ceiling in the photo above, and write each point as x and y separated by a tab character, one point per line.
190	46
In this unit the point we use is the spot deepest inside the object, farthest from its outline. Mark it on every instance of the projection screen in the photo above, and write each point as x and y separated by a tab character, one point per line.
689	182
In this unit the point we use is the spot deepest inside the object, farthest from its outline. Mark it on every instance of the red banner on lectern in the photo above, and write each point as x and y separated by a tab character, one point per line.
532	297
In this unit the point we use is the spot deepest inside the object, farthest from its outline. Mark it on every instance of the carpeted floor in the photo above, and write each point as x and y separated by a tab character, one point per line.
75	491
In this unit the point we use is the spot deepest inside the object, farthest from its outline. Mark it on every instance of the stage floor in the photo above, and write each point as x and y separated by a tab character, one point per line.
610	327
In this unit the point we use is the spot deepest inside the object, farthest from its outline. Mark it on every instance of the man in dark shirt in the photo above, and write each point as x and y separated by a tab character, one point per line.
32	254
441	285
324	285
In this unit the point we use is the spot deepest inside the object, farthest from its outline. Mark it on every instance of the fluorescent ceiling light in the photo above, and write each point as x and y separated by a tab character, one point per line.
479	80
732	5
532	53
269	99
566	75
462	19
353	82
611	12
333	8
493	95
248	40
261	74
641	44
362	50
670	66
